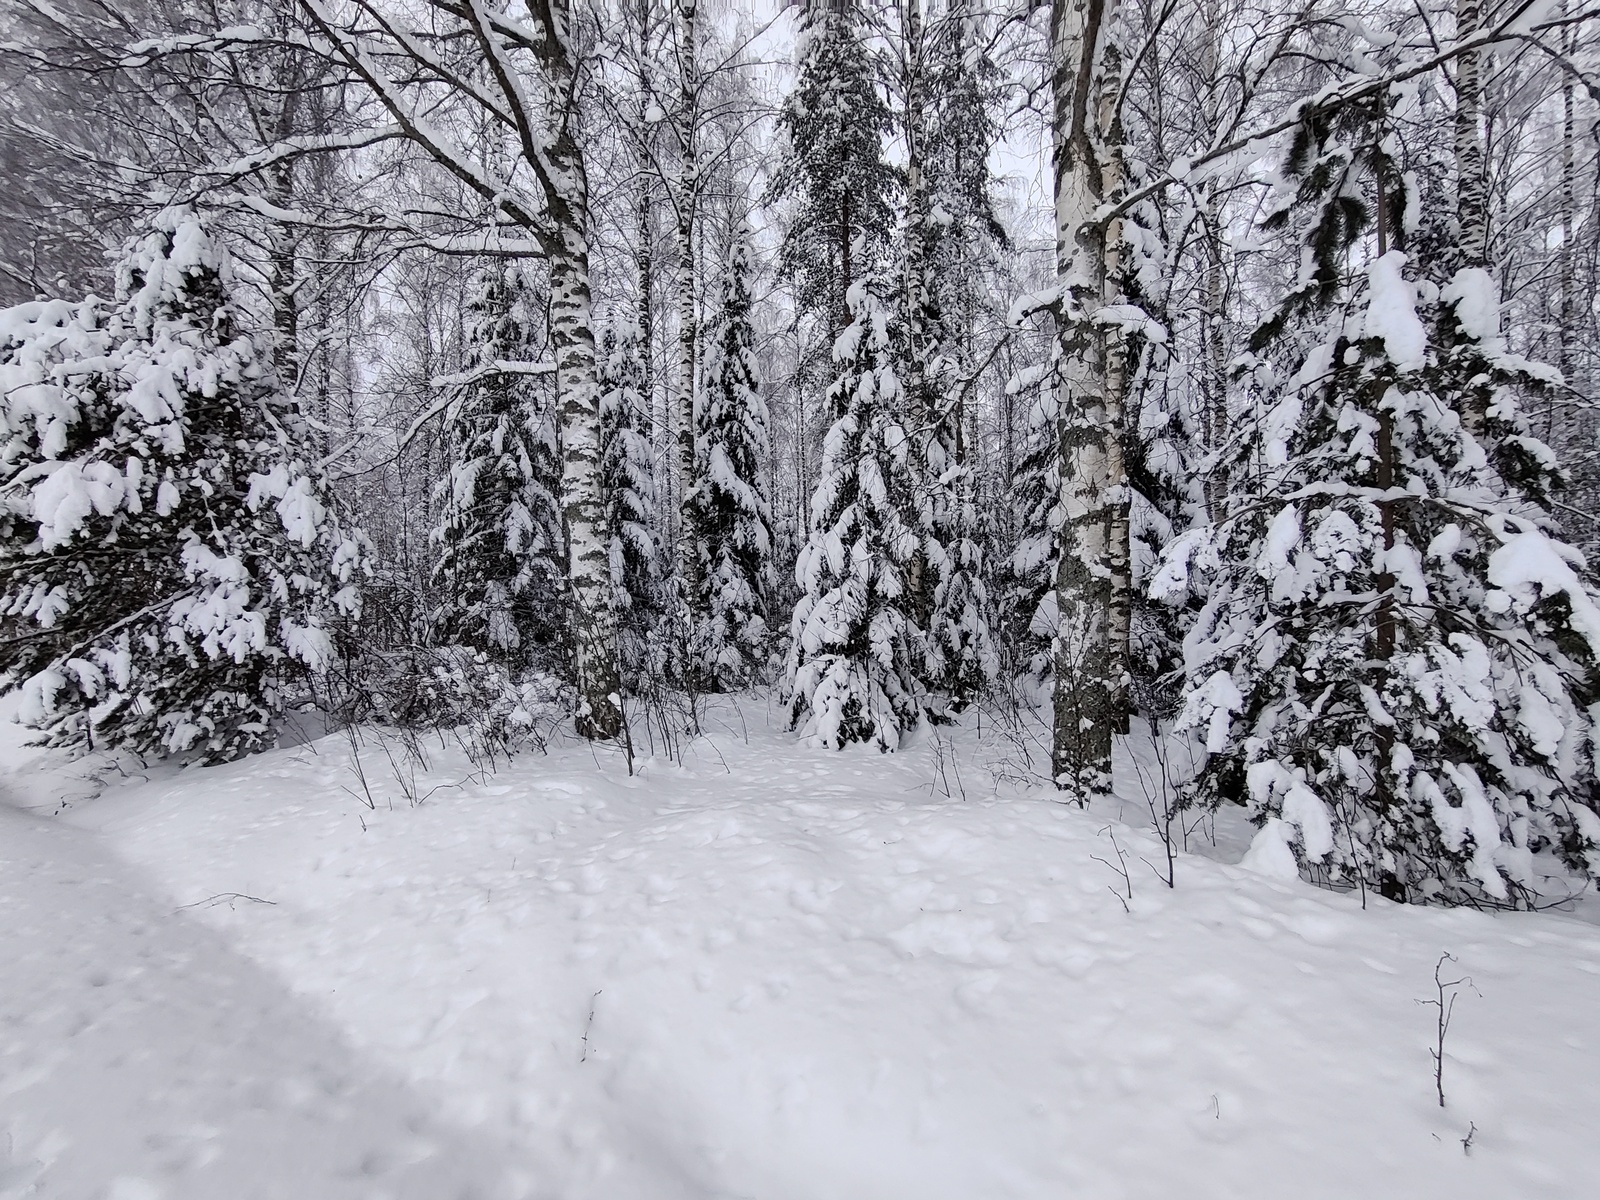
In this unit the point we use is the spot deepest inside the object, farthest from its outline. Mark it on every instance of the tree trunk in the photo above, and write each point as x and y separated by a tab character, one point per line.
841	317
644	265
593	622
1091	581
1472	198
1214	371
283	281
1116	498
686	548
1472	195
1569	188
915	300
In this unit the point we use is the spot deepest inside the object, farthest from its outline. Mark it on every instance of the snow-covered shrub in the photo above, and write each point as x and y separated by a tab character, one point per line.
168	560
851	671
463	690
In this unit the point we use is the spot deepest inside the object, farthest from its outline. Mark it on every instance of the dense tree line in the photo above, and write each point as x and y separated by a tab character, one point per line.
1102	361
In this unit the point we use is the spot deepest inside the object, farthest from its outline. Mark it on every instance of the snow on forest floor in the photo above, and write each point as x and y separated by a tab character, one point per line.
769	972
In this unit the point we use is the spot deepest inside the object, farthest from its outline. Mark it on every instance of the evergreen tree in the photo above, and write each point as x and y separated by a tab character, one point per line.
959	645
852	673
834	123
1395	660
948	233
168	562
1029	603
958	659
502	555
625	468
964	86
732	516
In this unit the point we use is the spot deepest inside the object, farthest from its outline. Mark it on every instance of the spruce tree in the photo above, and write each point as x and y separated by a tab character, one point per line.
733	518
1029	600
834	124
625	468
501	553
964	86
1395	659
852	674
168	561
948	235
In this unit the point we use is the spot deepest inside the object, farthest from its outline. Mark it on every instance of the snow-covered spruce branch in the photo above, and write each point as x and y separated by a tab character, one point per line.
455	383
78	648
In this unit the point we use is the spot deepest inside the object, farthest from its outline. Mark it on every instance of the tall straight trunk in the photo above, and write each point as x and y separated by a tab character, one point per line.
593	621
283	279
915	295
566	245
1472	196
1091	581
686	548
1214	370
1213	302
645	270
1569	190
841	316
1472	192
1116	498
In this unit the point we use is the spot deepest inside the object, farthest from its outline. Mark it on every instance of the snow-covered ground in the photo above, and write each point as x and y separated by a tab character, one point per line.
768	972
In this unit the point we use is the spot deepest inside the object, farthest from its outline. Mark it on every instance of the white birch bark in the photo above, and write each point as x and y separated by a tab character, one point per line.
1472	193
914	285
594	624
1091	587
686	545
1213	376
1472	197
1569	189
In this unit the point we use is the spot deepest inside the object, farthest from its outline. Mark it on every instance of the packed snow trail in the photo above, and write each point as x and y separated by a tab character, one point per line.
781	973
141	1058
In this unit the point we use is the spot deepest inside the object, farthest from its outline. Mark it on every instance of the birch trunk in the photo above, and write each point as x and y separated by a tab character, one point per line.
915	299
644	266
1569	188
686	547
1472	196
1472	199
1116	497
1091	580
1214	372
594	623
283	281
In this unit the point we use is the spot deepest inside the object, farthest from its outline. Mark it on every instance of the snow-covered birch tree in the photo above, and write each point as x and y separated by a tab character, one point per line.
1092	598
524	77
